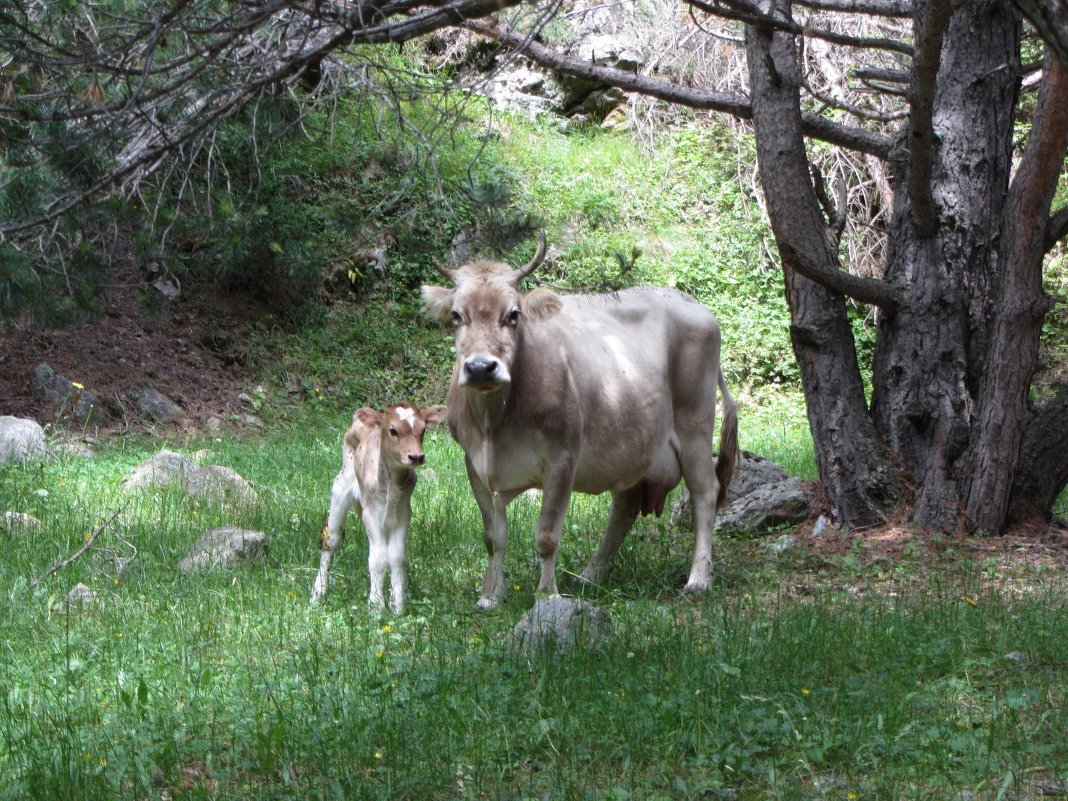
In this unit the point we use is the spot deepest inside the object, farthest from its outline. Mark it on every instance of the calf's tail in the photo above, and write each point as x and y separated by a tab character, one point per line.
728	442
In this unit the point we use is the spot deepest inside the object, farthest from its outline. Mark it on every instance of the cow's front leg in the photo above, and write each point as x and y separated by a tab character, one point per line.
493	508
555	497
377	558
398	574
343	496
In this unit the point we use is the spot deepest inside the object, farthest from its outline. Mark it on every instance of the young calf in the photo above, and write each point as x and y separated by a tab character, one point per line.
379	457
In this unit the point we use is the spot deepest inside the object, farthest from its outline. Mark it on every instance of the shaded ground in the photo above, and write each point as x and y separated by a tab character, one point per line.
189	349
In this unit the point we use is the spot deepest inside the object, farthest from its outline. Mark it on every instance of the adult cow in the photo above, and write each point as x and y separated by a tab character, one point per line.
596	393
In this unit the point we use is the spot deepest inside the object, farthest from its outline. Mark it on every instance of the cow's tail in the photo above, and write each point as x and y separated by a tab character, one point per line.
728	442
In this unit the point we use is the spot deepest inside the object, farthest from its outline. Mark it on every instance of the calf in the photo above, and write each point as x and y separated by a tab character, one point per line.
379	457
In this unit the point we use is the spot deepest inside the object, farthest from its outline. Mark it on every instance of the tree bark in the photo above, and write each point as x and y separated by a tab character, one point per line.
1020	306
858	481
932	352
1043	471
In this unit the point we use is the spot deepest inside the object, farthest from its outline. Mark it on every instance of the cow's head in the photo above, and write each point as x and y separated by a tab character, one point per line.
488	310
401	428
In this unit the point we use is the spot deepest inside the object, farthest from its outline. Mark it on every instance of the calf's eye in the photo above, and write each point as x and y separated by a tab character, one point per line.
457	318
513	317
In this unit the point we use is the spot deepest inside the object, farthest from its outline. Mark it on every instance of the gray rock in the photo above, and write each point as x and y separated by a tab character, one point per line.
761	496
81	596
210	481
766	507
20	439
781	544
70	400
563	623
20	523
225	547
155	405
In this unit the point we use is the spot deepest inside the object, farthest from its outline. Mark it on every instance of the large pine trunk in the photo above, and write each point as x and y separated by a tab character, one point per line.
956	349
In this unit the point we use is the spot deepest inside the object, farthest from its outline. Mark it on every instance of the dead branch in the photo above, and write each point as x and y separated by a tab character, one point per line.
62	563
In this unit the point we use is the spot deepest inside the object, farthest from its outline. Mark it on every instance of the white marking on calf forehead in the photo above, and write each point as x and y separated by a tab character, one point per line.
406	415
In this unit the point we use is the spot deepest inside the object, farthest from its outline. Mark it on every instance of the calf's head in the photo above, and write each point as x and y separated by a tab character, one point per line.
488	311
401	428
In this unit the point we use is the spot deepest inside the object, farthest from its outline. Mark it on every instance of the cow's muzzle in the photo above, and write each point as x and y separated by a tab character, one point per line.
483	372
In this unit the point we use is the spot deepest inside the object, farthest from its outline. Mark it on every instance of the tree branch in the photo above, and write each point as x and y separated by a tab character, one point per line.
738	106
1050	17
1056	229
921	140
879	8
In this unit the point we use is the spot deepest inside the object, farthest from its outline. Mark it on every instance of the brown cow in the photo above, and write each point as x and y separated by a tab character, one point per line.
599	393
378	461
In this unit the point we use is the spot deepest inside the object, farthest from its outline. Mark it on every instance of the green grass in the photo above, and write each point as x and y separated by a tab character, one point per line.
797	676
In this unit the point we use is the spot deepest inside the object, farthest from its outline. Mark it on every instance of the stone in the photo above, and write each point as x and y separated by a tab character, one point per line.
563	624
81	596
225	547
210	481
68	398
155	405
21	439
20	523
761	496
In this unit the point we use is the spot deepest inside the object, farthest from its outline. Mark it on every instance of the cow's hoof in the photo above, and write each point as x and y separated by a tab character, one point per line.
593	574
695	587
487	604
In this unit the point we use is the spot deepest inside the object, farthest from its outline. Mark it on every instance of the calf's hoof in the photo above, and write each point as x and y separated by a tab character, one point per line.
486	604
695	587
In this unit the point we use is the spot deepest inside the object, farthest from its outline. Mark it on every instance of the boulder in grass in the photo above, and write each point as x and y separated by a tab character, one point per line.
21	439
81	596
224	547
562	624
762	496
209	482
19	523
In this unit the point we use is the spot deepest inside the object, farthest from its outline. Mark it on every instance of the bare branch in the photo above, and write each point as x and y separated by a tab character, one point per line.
866	290
921	140
1056	229
1050	17
691	97
880	8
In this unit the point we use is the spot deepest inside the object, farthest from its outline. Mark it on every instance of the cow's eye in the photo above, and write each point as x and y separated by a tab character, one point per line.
457	318
512	318
393	432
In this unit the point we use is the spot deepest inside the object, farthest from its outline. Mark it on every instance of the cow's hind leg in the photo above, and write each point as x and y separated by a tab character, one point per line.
343	496
699	471
625	508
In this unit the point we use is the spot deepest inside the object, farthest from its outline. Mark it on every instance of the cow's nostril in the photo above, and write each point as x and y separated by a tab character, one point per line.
417	458
480	367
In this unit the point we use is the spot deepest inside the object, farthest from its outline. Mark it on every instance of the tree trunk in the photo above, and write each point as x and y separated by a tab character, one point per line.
1043	471
1020	306
932	353
858	481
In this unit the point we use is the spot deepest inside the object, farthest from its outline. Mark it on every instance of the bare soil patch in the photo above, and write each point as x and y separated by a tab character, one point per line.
190	349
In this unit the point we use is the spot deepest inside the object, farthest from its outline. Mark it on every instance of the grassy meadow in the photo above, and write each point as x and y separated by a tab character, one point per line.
822	672
799	675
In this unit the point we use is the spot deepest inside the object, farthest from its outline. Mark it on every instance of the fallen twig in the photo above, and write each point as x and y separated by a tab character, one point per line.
57	566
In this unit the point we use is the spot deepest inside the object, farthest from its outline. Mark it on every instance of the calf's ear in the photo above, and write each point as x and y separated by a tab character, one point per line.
437	301
363	421
541	303
434	415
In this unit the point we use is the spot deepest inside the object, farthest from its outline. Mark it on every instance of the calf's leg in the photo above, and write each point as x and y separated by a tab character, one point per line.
344	494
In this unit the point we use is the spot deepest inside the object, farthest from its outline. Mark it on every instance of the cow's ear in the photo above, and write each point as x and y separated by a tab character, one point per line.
437	301
434	415
364	420
541	303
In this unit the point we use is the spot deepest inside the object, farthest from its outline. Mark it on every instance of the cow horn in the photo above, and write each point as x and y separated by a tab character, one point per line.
533	264
445	271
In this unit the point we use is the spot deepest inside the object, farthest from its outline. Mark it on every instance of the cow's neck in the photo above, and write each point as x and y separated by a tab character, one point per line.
488	409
